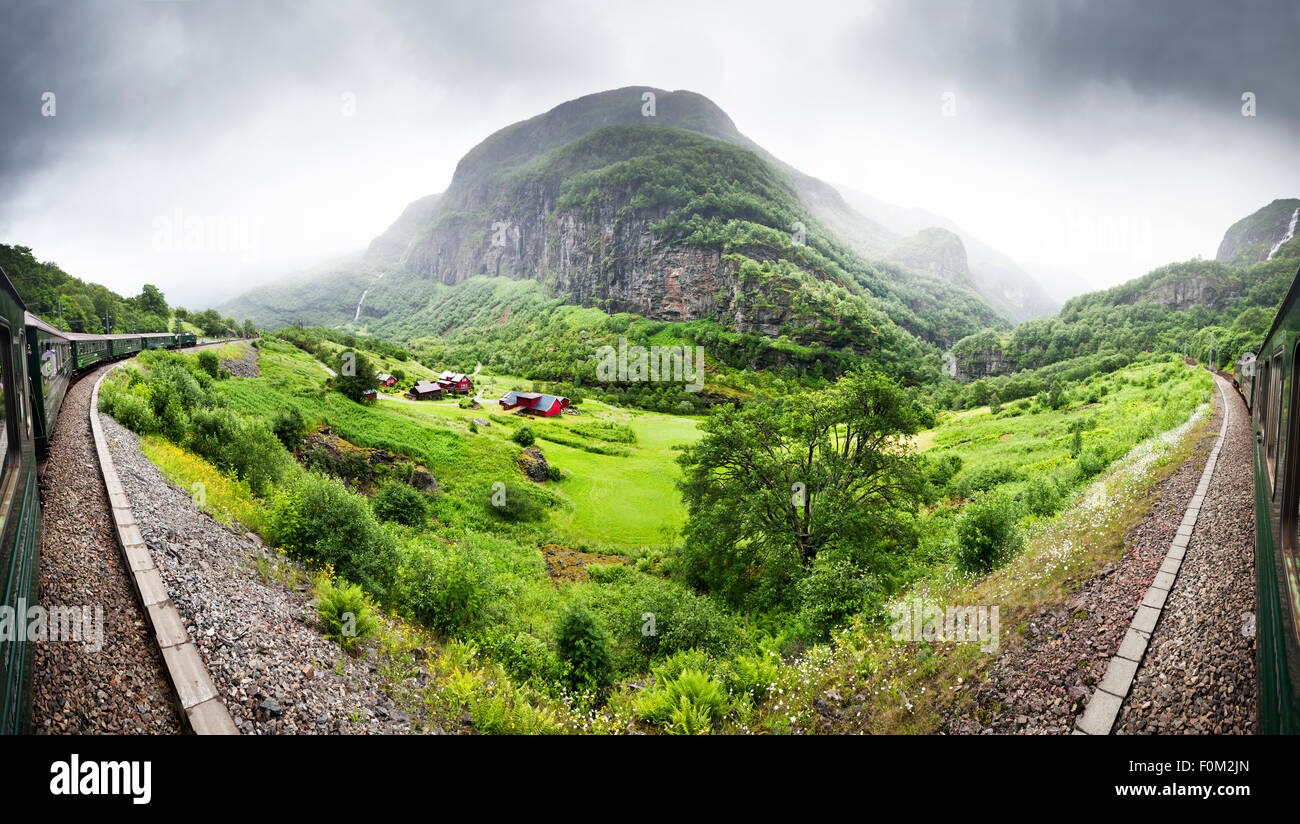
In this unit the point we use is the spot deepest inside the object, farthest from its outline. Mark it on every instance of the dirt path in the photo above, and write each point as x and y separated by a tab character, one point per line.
122	688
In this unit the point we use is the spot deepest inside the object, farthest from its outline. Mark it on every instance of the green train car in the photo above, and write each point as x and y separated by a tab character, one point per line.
19	510
1270	383
49	363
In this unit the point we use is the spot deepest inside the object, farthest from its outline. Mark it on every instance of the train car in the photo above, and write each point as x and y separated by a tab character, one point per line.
19	512
87	350
49	368
1274	401
121	346
158	340
186	339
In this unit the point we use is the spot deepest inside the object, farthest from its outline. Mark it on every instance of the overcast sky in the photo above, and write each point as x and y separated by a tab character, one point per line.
1103	138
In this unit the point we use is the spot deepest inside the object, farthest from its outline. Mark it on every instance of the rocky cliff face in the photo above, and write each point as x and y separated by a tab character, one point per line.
937	251
1182	294
984	363
1268	232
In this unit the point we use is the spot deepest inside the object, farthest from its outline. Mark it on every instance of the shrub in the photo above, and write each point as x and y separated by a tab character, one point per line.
525	657
344	613
244	447
689	703
317	519
553	473
584	649
209	362
524	436
447	588
514	503
399	502
987	535
1041	497
128	408
832	592
288	426
751	674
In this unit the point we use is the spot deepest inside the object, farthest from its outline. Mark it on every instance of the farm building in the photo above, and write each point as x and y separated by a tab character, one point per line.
426	391
370	395
455	382
535	403
386	379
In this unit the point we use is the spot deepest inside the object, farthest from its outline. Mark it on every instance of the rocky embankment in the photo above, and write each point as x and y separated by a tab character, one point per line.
249	616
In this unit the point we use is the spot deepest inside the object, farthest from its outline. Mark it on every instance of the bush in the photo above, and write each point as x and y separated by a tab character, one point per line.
318	520
244	447
690	703
288	426
584	649
524	436
209	362
446	588
553	472
399	502
128	408
1041	497
751	674
514	503
987	535
524	657
832	592
344	613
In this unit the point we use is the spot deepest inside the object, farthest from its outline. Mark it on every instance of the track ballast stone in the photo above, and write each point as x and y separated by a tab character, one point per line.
275	672
1042	685
123	687
1198	675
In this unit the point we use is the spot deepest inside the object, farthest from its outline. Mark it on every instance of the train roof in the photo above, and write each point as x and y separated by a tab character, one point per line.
32	320
1290	299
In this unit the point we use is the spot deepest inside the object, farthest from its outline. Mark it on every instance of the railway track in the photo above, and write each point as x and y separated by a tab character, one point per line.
121	688
119	683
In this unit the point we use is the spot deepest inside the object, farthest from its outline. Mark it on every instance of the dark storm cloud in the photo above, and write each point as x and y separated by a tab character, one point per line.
1041	61
169	74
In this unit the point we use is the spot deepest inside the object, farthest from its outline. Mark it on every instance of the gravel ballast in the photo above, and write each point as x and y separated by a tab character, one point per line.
122	688
275	672
1200	680
1198	675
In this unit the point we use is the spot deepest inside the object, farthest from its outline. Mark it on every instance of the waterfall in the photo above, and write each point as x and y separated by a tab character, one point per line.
1290	233
357	316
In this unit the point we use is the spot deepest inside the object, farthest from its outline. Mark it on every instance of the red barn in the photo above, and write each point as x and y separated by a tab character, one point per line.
455	382
386	379
370	395
535	403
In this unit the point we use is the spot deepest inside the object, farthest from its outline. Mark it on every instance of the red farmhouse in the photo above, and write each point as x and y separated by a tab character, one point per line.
455	382
547	406
386	379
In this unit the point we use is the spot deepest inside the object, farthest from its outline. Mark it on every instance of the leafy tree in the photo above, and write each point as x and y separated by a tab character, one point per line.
356	375
151	300
776	483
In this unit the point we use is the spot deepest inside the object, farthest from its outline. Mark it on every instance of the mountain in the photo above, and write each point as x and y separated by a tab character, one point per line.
1004	284
674	217
937	251
1262	235
1193	306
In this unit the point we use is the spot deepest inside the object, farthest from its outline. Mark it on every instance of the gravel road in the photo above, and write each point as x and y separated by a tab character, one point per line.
123	687
1198	675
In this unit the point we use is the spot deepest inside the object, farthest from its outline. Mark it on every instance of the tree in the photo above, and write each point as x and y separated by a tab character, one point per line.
355	375
776	483
151	301
250	330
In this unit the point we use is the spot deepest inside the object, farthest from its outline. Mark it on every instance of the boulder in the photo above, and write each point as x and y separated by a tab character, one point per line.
533	463
422	480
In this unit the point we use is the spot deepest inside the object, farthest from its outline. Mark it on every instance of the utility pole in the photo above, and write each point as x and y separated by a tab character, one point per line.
61	314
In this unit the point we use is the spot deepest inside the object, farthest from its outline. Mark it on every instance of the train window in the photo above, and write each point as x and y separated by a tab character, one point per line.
1271	428
7	396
